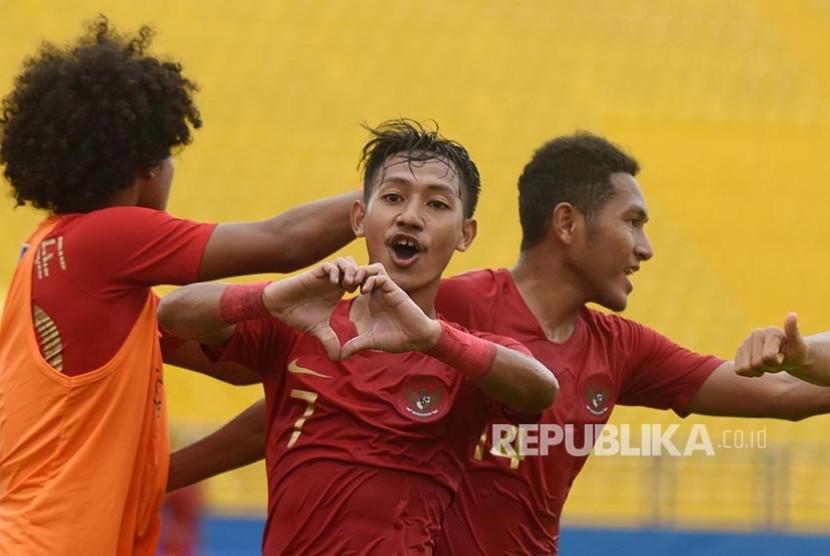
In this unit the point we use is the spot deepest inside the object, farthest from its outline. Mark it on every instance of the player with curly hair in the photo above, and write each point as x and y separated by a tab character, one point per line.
87	134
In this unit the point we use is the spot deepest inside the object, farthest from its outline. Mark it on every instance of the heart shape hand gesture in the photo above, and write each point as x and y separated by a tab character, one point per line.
392	321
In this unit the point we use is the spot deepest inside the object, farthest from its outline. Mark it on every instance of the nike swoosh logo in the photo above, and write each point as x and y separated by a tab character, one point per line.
297	370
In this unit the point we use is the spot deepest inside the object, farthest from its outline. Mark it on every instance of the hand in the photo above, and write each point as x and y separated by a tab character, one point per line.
306	301
395	323
772	350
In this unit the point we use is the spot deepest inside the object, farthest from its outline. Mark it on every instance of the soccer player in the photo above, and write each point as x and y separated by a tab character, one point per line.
365	449
87	135
774	350
583	216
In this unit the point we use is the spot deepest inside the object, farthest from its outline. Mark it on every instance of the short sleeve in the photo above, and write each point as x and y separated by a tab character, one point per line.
467	298
663	374
136	246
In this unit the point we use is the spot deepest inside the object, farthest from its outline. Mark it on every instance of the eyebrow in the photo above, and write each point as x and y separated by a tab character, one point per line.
432	186
638	213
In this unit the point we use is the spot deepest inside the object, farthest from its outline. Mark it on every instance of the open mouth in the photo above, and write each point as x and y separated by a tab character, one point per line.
405	250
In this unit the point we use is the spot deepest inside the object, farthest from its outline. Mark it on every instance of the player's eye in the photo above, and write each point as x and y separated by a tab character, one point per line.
392	197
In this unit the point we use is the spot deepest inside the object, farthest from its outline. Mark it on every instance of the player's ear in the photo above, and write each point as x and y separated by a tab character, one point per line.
358	217
565	221
468	234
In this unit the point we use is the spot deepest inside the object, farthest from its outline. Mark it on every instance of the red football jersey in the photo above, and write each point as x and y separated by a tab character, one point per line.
363	455
93	272
510	504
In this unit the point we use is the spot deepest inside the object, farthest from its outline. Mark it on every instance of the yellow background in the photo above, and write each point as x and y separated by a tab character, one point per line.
726	103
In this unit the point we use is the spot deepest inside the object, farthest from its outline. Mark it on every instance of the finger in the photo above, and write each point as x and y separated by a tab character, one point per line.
376	269
354	279
347	275
752	365
742	366
330	341
743	360
756	358
332	271
771	348
372	283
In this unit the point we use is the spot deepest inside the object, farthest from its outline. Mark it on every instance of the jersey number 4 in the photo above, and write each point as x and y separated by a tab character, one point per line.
515	455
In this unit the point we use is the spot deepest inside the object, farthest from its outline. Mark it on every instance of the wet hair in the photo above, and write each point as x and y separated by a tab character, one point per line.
575	169
418	144
83	121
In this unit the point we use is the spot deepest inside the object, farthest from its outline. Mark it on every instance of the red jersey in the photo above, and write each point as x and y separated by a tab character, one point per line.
512	505
92	274
363	455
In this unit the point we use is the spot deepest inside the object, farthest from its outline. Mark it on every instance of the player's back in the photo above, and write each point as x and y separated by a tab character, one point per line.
71	479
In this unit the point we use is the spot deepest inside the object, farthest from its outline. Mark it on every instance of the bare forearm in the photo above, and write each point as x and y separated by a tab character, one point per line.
773	395
287	242
816	368
520	382
316	230
238	443
193	312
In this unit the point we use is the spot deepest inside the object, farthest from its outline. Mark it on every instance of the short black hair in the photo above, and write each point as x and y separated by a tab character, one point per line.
83	121
575	169
417	143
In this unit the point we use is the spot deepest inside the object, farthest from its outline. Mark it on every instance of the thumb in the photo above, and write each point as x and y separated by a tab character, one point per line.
330	341
356	344
791	329
795	342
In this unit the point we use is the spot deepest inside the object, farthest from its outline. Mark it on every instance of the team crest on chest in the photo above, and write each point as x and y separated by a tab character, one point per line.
596	392
423	398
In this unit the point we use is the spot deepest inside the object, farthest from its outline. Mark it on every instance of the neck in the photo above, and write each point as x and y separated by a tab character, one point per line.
127	197
551	292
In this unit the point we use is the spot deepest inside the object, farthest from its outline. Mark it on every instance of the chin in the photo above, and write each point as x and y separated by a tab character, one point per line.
616	304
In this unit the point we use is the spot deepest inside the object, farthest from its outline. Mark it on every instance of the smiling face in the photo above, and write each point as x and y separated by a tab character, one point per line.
414	221
613	245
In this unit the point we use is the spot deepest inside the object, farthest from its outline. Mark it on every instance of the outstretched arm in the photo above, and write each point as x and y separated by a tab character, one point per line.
289	241
207	312
778	396
238	443
774	349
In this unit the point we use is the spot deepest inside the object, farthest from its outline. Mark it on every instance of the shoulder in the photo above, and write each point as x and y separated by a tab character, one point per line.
612	326
474	278
131	233
470	298
471	287
119	222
